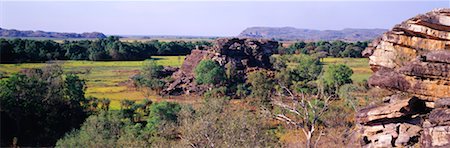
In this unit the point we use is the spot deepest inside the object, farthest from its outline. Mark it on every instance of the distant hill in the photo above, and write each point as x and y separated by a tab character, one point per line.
290	33
19	34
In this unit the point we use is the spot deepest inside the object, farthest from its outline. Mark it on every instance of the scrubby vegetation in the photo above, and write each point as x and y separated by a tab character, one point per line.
303	100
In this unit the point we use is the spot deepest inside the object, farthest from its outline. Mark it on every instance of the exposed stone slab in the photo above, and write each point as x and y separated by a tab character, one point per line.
426	70
440	116
408	134
389	79
442	56
436	137
403	108
443	103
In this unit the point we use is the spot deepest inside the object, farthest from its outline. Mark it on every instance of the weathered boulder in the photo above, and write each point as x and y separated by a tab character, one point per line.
436	130
243	55
412	59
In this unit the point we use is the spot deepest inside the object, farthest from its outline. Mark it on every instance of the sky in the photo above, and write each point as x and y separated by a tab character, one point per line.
205	18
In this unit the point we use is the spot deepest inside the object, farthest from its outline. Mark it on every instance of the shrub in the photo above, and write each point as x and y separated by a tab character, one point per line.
97	131
216	92
346	93
151	69
261	86
242	91
162	111
209	72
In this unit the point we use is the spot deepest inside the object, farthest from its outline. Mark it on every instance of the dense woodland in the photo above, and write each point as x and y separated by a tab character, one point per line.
111	48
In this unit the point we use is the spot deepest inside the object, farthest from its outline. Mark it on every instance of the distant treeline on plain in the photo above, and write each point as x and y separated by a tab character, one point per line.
336	49
112	49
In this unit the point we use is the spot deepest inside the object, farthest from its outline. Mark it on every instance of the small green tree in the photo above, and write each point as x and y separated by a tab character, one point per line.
150	80
305	69
337	75
209	72
151	69
262	86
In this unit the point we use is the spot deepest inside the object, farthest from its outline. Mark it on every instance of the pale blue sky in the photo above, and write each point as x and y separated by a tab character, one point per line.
205	18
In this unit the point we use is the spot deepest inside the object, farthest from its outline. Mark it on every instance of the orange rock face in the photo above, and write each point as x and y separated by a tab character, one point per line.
413	59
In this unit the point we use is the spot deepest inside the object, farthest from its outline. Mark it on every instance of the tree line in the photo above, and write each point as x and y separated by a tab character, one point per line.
111	48
337	49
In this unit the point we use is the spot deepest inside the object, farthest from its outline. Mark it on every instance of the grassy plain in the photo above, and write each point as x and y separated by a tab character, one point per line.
104	79
108	79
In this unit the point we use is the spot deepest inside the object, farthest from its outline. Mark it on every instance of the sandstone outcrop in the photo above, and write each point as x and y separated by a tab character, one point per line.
242	54
412	60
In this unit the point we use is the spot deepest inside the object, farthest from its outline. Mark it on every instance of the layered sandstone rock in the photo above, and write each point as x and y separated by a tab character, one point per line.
243	55
413	60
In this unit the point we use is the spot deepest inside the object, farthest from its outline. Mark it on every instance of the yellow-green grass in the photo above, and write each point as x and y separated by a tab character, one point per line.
360	66
104	79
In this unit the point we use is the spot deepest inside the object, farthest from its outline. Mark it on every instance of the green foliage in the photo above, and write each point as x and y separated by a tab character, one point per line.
114	128
101	130
216	92
242	91
337	75
162	111
333	49
307	69
346	93
352	51
111	48
39	105
151	69
300	75
151	77
209	72
74	88
261	86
